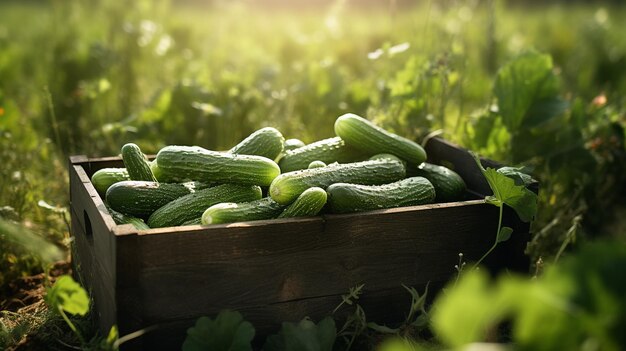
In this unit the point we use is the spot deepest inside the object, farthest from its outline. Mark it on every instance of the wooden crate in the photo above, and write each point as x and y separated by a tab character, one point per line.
279	270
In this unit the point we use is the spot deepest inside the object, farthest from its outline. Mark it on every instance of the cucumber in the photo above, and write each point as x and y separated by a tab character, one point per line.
165	178
316	164
292	144
140	198
265	208
121	218
103	178
327	150
288	186
364	135
449	186
199	164
193	205
195	221
346	198
387	156
266	142
136	163
309	203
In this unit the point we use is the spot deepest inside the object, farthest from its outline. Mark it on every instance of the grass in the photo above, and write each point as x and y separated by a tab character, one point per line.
87	77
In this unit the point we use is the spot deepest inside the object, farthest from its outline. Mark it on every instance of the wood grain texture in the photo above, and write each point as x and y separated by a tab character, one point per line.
170	334
280	270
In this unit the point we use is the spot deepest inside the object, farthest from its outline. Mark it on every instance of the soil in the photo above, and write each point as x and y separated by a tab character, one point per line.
30	290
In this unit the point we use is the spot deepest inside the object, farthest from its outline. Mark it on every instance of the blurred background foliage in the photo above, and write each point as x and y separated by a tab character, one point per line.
535	84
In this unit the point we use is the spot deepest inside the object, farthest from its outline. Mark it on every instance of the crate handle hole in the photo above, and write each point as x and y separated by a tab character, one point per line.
88	229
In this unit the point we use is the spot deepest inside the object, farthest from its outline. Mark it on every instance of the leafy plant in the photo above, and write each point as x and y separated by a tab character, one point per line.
67	296
505	191
304	336
227	332
577	304
416	320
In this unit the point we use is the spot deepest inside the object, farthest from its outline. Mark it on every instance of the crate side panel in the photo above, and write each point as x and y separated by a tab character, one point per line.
271	265
385	307
94	246
461	161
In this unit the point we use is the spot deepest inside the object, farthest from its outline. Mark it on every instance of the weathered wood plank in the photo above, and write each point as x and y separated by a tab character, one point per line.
388	306
288	261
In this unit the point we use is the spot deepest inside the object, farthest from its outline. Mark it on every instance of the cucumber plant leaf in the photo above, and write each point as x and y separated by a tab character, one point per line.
304	336
522	200
68	296
227	332
527	80
517	174
504	234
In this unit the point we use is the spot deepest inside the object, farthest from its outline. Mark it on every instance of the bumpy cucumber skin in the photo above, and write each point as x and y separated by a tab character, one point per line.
288	186
347	198
387	156
265	208
449	186
267	142
308	204
121	218
316	164
193	205
103	178
164	178
327	150
196	163
364	135
136	163
292	144
140	198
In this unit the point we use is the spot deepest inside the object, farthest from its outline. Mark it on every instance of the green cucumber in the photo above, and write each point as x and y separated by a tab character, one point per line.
266	142
292	144
364	135
195	221
346	198
103	178
327	150
136	163
288	186
265	208
164	178
308	204
316	164
449	186
193	205
387	156
199	164
121	218
140	198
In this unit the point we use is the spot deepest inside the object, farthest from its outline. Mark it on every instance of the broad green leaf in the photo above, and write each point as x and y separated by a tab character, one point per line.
32	242
504	234
522	200
465	312
305	336
517	174
67	295
228	332
400	344
543	111
522	83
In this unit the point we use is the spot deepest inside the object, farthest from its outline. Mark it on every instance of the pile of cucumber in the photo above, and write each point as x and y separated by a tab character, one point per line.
265	176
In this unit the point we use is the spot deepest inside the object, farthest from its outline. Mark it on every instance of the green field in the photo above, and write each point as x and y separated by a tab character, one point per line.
86	77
